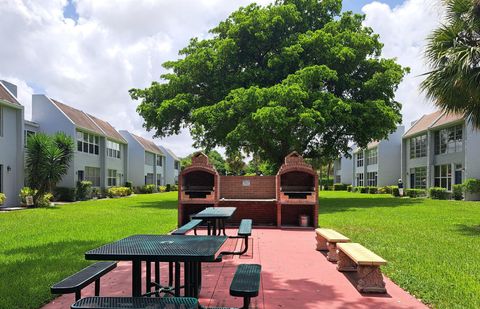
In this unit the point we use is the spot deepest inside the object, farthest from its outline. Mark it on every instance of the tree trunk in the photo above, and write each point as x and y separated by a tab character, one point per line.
328	172
321	175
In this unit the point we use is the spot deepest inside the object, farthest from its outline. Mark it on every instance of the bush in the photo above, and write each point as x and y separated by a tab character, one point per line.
162	188
64	194
355	189
394	191
24	192
472	185
97	193
129	184
415	193
383	190
2	198
148	189
174	187
168	187
372	190
349	188
45	200
325	182
457	193
438	193
119	192
339	187
84	190
362	189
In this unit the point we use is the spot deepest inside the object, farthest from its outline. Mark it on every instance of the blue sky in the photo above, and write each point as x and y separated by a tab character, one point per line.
356	5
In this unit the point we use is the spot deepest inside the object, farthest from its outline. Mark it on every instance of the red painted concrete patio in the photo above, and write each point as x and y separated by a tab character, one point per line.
294	275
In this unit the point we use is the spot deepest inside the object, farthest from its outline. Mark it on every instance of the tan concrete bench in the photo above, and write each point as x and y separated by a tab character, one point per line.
327	239
355	257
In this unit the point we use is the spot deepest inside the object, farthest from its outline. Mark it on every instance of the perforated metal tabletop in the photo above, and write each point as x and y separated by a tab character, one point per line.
215	213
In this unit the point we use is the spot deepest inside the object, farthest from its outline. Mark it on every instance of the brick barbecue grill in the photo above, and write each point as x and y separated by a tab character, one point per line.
269	200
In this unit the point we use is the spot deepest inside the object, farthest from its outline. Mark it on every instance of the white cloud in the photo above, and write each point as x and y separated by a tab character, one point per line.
116	45
404	30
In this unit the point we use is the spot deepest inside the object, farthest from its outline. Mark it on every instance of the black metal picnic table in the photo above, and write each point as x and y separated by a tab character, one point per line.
215	217
191	250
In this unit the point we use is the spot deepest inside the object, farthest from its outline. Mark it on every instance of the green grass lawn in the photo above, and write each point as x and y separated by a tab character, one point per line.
39	247
433	247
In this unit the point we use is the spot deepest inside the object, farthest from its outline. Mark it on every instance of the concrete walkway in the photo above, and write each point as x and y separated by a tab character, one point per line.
294	275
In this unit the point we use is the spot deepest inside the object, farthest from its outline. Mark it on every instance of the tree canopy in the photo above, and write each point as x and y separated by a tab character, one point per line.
453	52
294	75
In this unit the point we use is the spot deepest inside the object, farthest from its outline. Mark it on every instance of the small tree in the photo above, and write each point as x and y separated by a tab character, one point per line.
48	159
234	163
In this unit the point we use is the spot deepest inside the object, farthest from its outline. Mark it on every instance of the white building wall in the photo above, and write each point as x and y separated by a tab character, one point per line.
389	158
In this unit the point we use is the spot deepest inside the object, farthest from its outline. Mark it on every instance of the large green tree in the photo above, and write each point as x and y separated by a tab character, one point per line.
453	52
294	75
47	161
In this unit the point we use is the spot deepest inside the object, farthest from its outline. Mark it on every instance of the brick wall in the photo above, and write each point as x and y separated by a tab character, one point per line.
190	209
290	214
262	213
261	187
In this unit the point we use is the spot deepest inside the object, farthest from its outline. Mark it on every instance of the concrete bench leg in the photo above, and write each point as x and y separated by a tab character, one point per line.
332	255
321	243
370	280
345	263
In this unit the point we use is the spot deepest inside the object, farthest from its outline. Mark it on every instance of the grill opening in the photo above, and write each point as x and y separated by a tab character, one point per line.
198	184
297	185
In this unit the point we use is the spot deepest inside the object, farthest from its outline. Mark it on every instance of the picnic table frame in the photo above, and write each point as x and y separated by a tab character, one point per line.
215	218
191	250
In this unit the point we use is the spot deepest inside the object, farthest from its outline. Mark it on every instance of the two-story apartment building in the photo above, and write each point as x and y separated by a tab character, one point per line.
379	164
172	166
342	170
100	151
146	161
11	143
440	149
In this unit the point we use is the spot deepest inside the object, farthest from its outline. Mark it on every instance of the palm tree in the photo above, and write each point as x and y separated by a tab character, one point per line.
48	159
453	52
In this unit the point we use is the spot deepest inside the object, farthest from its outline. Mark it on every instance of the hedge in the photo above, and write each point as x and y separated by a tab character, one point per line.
438	193
457	192
415	193
339	187
65	194
119	192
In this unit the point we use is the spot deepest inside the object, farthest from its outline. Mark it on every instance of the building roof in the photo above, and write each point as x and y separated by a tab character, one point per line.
6	95
89	122
148	145
423	123
433	120
373	144
170	152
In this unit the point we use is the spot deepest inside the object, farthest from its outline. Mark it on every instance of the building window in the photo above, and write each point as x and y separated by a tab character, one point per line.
159	160
443	176
338	179
26	135
149	179
1	178
1	121
159	179
372	156
449	140
418	178
88	143
360	159
418	146
371	179
92	174
360	179
112	179
177	165
113	149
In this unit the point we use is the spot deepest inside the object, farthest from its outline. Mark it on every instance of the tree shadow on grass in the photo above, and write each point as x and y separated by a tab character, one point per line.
156	205
468	230
333	205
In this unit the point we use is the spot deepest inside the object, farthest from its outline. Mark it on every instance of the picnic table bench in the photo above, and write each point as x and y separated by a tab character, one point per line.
244	231
184	229
136	303
355	257
327	239
76	282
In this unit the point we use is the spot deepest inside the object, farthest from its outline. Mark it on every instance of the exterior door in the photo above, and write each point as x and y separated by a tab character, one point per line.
458	174
80	176
412	181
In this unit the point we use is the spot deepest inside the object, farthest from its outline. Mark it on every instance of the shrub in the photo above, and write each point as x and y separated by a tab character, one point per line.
24	192
84	190
349	188
438	193
382	190
362	189
174	187
168	187
97	193
394	191
326	182
339	187
119	192
472	185
129	184
64	194
415	193
45	200
148	189
355	189
457	193
162	189
2	198
372	190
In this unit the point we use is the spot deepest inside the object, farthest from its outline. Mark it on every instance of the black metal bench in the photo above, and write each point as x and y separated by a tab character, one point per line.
244	231
76	282
136	303
184	229
246	283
